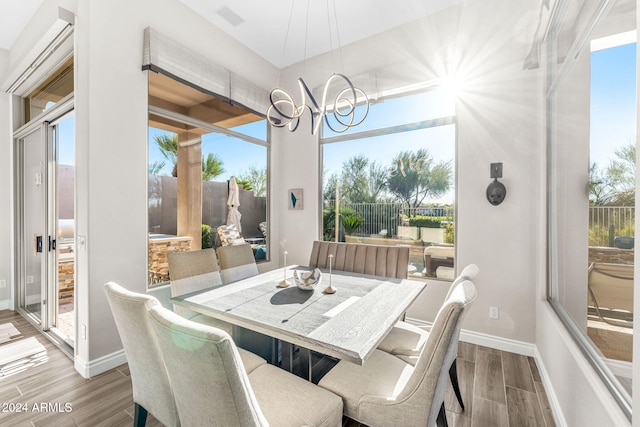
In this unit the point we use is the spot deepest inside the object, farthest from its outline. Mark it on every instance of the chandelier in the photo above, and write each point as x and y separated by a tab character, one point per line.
338	112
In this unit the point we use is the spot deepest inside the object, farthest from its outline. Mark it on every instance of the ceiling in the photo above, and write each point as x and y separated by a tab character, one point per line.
263	26
14	17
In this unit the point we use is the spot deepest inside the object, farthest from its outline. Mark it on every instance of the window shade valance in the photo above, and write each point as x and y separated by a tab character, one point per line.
167	56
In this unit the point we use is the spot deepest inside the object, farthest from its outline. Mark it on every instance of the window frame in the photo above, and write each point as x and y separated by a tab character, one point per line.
390	130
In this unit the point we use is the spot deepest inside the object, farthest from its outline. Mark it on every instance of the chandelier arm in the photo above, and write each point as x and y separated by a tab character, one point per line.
284	111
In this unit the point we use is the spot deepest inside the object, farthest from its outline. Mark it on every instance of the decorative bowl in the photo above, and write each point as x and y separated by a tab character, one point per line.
307	280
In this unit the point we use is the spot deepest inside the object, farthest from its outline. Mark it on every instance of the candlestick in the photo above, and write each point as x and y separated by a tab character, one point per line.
330	289
284	283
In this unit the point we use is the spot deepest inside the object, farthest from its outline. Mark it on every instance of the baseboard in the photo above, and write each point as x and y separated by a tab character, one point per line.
97	366
478	338
556	409
504	344
4	305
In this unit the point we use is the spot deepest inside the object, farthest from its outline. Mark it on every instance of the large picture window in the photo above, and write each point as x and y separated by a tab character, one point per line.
591	182
199	147
391	180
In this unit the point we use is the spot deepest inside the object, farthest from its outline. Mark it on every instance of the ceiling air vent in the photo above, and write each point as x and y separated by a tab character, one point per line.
230	16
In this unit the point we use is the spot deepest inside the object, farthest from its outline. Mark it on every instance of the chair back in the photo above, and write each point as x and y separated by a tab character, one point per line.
190	272
470	272
149	378
209	381
611	288
377	260
236	263
430	378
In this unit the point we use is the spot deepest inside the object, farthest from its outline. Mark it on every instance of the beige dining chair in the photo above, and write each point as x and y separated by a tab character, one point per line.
406	340
236	263
193	271
196	270
387	391
212	388
151	387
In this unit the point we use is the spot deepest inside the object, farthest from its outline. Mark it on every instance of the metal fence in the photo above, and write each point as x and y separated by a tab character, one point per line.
605	222
608	222
384	218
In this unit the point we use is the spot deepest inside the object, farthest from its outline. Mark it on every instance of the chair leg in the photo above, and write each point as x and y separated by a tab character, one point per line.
441	421
140	417
453	374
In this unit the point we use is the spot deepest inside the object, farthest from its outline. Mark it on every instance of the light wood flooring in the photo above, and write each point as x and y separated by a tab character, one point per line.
498	388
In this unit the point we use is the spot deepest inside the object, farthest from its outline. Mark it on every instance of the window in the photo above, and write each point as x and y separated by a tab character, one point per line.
58	85
392	178
197	143
591	145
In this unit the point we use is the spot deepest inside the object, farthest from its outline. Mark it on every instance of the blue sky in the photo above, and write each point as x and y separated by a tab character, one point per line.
613	101
237	155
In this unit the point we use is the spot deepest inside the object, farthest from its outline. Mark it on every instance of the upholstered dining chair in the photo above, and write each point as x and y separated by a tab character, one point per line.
236	262
387	391
376	260
193	271
212	388
149	379
406	340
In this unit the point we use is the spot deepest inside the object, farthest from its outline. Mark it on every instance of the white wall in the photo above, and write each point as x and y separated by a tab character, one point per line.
6	252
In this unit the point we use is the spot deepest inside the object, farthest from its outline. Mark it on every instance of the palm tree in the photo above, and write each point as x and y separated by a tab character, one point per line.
211	167
168	146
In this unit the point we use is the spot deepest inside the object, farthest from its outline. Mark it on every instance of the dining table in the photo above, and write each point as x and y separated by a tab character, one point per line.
348	324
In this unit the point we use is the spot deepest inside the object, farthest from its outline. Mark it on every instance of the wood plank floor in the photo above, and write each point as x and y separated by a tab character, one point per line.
39	387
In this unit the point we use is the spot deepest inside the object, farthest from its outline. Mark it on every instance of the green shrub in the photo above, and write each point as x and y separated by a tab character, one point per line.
351	223
206	236
350	220
449	233
427	221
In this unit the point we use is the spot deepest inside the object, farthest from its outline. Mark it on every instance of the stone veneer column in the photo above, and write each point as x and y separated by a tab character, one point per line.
190	188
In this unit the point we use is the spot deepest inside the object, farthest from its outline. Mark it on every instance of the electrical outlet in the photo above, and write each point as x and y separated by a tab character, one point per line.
84	332
494	312
3	283
29	279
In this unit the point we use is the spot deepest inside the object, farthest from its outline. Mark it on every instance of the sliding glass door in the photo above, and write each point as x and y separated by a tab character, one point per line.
46	224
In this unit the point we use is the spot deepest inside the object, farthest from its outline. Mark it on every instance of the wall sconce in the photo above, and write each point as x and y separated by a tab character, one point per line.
496	191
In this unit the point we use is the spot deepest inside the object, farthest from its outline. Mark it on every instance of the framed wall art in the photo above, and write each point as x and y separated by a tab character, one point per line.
295	199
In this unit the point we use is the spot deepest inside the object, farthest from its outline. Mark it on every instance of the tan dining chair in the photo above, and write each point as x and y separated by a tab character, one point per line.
193	271
387	391
151	387
376	260
406	340
236	263
212	388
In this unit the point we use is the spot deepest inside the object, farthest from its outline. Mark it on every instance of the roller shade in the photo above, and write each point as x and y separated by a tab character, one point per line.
164	55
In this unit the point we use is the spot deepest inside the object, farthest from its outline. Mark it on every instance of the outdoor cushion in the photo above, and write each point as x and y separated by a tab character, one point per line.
229	235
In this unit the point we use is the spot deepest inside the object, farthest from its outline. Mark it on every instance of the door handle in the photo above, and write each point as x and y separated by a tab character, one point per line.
52	244
37	244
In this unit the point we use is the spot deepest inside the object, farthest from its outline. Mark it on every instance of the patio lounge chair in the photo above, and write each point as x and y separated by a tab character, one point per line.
438	262
611	293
